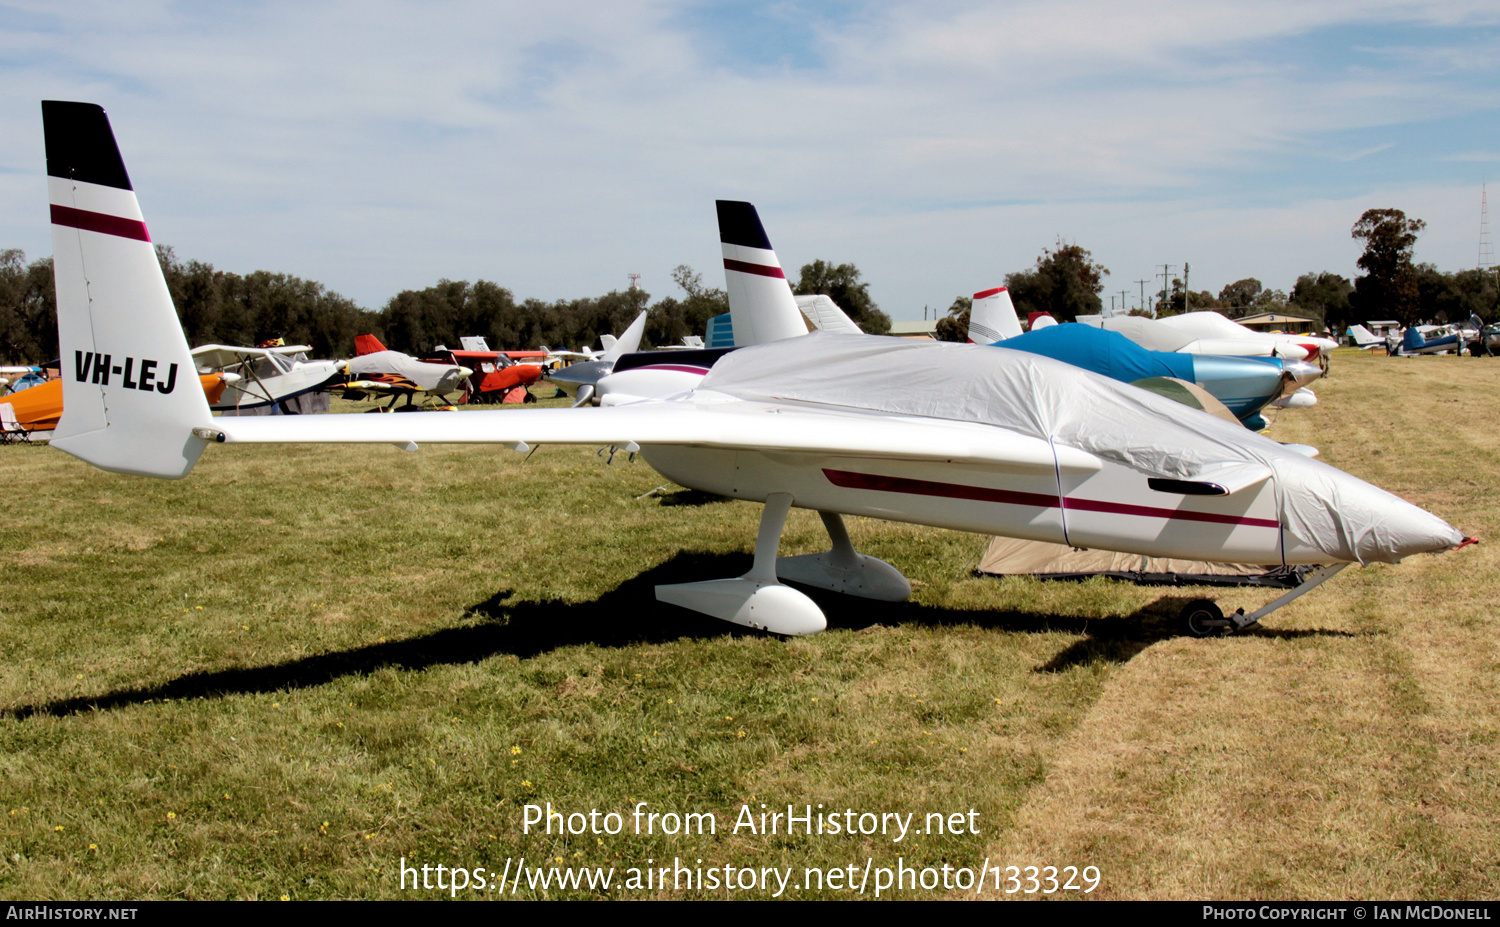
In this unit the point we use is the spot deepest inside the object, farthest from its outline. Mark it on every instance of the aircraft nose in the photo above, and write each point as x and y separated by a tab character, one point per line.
1301	373
1417	531
1346	519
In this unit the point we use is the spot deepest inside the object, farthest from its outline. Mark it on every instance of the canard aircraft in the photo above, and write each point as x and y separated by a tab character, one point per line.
1212	333
972	438
581	379
1244	384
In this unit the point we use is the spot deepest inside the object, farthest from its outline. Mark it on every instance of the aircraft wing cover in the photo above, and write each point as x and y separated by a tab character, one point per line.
1052	401
425	375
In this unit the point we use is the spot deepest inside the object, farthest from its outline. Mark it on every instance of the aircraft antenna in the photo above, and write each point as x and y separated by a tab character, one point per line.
1486	248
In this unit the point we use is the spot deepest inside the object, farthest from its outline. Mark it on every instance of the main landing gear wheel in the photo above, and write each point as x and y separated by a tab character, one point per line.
1203	618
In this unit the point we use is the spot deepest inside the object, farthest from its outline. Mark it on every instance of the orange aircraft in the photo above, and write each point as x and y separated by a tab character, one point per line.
39	407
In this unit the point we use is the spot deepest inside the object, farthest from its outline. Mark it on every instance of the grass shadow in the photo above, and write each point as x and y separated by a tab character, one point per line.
625	616
691	497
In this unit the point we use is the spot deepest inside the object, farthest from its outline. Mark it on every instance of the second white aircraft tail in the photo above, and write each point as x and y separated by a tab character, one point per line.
993	318
131	396
761	306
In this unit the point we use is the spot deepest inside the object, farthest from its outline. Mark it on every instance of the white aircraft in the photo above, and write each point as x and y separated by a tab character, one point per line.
1366	340
264	376
581	379
1245	385
957	436
1216	334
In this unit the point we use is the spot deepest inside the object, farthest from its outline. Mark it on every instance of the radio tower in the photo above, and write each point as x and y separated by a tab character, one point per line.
1486	249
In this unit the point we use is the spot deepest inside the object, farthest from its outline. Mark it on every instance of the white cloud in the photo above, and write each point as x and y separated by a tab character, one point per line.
554	148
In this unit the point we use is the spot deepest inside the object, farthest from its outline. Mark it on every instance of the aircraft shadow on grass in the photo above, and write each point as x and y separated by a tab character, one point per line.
628	615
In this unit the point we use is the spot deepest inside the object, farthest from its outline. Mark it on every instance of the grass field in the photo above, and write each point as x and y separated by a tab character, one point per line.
284	674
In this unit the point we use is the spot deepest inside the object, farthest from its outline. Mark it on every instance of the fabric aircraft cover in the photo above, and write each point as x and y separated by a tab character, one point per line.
1103	352
1050	400
1016	557
425	375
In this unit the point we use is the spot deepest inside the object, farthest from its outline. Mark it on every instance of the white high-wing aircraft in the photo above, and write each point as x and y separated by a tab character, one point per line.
957	436
264	376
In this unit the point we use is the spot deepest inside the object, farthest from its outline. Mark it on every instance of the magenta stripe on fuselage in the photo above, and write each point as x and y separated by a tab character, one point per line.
680	368
851	480
99	222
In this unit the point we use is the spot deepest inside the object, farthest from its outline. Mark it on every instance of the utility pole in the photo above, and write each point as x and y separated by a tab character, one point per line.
1143	295
1185	289
1124	308
1166	284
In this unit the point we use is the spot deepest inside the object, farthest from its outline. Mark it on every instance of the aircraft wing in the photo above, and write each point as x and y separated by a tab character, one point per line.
726	424
223	355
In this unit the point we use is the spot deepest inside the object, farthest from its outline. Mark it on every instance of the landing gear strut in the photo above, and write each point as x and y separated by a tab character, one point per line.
1203	618
759	600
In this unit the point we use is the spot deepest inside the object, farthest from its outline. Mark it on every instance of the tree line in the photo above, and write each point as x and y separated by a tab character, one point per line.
220	307
1066	282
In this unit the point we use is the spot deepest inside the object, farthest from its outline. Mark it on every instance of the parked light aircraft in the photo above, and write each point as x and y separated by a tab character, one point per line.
494	375
1212	328
1441	339
1366	340
376	371
580	380
38	408
264	376
972	438
1211	333
1245	385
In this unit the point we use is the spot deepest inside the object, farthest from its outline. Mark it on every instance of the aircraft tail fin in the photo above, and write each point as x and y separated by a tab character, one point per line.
606	342
629	341
1363	337
131	397
993	317
367	344
761	306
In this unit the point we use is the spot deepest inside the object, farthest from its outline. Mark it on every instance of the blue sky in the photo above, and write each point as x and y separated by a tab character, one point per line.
557	148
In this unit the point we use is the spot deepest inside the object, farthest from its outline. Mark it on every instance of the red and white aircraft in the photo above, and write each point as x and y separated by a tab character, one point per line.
958	436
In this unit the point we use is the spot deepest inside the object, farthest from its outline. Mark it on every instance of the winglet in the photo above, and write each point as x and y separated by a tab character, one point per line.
993	317
761	305
131	397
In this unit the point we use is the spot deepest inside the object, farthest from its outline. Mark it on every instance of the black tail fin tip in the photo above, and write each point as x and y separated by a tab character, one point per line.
739	224
80	145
